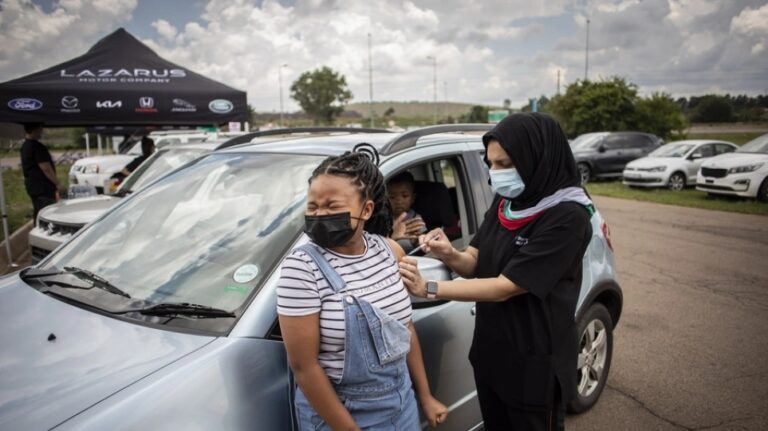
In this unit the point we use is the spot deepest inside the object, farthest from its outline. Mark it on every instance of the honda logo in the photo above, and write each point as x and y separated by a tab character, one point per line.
146	102
109	104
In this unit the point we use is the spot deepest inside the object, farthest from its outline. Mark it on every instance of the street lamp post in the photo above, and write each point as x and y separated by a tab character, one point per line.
586	55
434	83
370	81
280	78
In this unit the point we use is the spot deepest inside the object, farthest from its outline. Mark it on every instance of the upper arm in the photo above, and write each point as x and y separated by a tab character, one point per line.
45	166
301	336
396	248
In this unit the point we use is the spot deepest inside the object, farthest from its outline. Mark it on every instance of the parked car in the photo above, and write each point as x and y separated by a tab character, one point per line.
165	305
58	222
97	171
604	155
743	172
673	165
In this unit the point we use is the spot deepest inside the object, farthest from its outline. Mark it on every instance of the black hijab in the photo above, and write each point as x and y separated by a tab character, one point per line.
541	153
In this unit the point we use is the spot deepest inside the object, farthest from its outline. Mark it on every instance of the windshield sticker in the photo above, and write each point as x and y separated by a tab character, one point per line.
237	289
246	273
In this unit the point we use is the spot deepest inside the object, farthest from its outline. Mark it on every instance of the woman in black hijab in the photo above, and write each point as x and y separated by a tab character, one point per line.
523	268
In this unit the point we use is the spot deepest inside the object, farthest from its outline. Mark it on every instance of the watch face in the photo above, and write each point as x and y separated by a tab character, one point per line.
432	287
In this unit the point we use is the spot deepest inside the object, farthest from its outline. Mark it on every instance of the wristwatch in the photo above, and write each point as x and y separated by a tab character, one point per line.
431	289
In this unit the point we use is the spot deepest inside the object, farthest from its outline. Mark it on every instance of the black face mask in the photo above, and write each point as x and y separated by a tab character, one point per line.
329	231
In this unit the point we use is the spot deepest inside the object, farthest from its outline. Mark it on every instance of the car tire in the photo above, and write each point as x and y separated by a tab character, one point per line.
762	192
585	171
595	350
676	182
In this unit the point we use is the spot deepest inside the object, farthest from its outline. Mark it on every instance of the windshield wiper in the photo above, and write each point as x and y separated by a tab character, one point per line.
182	309
83	274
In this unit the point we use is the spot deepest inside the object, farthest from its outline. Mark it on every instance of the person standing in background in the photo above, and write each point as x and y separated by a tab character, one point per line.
40	179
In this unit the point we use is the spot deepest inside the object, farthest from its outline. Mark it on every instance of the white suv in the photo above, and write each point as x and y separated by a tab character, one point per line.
741	173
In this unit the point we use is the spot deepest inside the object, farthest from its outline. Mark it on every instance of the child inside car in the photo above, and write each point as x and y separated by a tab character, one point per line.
408	225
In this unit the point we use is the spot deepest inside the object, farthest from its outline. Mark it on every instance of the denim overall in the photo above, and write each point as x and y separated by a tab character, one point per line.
375	386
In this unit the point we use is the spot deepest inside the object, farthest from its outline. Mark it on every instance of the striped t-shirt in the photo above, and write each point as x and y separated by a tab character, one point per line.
373	276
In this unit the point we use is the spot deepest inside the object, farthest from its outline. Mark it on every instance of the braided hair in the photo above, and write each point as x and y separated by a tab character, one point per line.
365	175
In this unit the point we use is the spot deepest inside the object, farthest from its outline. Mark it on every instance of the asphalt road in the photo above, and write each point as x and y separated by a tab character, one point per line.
690	349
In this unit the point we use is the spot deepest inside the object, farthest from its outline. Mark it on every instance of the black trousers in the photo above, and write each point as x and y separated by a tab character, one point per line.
498	416
41	201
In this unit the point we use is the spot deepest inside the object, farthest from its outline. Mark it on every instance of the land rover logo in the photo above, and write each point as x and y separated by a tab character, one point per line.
27	104
220	106
69	102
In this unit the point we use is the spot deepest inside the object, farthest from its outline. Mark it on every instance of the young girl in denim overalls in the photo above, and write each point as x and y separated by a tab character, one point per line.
348	215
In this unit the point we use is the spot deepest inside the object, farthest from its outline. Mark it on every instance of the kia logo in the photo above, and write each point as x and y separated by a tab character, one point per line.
109	104
69	102
25	104
146	102
220	106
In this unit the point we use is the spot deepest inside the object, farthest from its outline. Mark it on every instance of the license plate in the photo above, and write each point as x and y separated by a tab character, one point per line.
709	181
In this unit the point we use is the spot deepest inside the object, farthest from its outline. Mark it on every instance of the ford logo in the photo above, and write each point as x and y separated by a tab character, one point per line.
25	104
220	106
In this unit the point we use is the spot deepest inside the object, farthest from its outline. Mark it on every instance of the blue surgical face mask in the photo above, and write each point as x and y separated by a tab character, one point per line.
507	182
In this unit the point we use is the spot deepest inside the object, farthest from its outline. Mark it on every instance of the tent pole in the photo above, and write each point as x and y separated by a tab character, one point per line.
87	145
5	223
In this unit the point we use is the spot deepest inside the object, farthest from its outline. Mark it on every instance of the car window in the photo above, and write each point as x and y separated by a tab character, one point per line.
707	150
163	142
757	145
722	149
162	162
443	197
671	150
135	149
613	142
208	234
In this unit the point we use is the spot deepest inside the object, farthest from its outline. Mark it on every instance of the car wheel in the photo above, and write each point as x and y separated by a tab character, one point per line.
676	182
762	192
585	171
594	357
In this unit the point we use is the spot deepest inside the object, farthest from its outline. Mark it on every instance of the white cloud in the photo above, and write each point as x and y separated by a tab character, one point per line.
165	29
751	22
33	39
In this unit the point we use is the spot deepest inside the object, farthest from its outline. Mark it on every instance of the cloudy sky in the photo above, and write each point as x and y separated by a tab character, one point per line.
486	50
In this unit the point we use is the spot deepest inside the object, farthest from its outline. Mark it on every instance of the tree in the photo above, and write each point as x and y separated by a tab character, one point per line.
713	109
322	94
660	115
389	112
587	106
478	114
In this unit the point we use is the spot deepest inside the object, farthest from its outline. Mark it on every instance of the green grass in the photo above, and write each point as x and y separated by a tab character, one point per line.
687	198
17	203
739	138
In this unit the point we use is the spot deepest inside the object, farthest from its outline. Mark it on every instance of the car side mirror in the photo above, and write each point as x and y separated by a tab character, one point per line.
430	269
695	156
601	148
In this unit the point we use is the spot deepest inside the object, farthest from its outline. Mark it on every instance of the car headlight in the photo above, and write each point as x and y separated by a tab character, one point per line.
657	169
91	169
745	168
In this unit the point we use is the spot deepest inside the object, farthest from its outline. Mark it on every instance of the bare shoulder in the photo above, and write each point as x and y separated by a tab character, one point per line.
397	248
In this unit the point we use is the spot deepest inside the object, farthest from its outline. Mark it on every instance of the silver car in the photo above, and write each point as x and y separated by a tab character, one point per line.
162	313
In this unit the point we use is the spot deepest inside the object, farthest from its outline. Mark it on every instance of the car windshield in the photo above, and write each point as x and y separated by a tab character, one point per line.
586	141
671	150
757	145
208	234
162	162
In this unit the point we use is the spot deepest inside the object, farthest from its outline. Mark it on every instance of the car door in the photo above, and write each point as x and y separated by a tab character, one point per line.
606	159
696	158
445	328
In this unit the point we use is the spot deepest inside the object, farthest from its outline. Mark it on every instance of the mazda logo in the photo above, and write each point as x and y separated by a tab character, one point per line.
69	102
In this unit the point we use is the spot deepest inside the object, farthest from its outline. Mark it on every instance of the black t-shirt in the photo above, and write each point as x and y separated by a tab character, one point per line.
32	154
522	345
135	163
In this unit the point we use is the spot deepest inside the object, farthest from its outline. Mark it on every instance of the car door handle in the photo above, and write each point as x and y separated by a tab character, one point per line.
473	310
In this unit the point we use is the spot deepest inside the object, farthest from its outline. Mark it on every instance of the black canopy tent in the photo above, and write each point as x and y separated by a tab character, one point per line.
120	81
